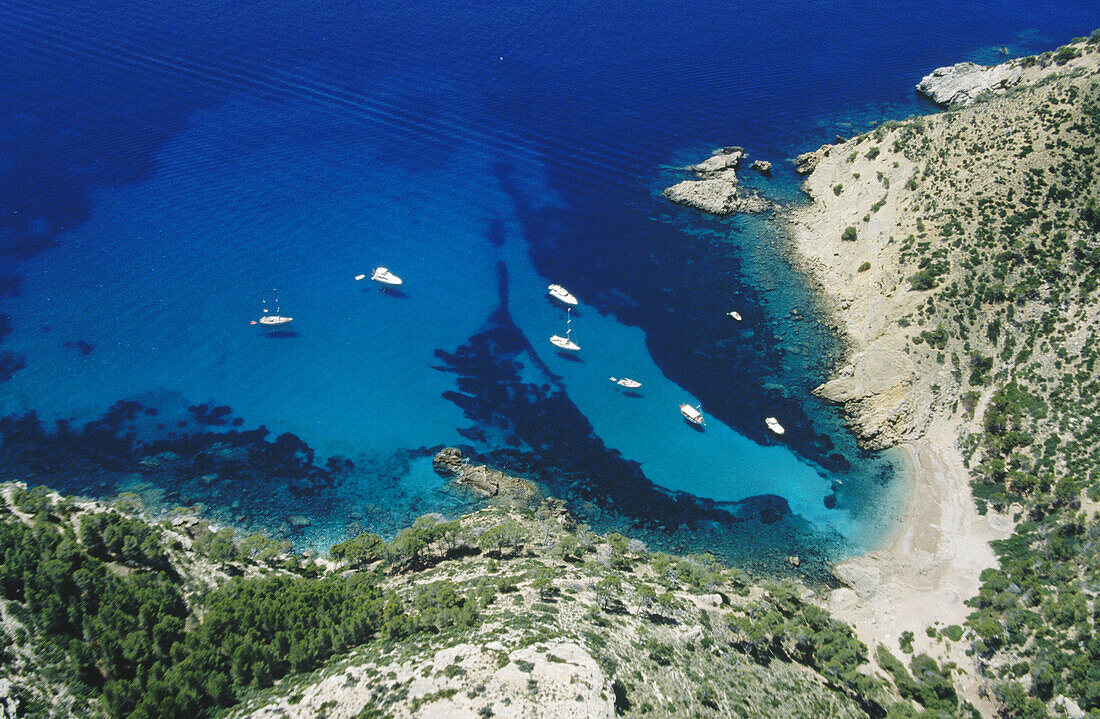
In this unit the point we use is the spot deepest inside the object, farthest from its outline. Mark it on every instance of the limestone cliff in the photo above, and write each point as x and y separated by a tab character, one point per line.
899	219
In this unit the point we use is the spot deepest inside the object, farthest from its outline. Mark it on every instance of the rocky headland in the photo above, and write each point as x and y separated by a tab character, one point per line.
509	612
965	83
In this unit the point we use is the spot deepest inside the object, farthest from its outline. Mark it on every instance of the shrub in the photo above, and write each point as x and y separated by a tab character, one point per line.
1065	54
849	234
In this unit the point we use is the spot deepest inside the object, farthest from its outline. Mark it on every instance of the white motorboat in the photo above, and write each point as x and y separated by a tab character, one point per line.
272	319
694	415
626	382
565	343
562	295
773	425
384	277
735	315
360	277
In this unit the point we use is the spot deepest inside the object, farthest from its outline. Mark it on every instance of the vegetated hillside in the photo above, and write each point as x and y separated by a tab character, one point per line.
508	612
976	236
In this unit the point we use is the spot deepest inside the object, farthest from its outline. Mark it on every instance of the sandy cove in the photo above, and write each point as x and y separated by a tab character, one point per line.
931	565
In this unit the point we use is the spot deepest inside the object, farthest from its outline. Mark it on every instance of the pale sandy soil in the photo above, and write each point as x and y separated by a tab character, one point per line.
932	564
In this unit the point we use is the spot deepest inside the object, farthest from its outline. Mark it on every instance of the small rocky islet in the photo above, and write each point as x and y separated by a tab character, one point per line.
718	190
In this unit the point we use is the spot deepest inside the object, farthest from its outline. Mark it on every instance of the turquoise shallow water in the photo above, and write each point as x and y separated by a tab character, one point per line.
168	168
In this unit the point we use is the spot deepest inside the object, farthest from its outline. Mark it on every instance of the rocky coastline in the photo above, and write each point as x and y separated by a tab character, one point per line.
873	198
964	83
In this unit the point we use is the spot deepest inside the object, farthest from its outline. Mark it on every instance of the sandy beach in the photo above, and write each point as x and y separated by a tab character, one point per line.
933	561
931	565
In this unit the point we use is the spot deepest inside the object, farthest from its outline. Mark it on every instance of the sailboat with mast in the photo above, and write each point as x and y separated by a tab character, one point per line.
565	343
272	318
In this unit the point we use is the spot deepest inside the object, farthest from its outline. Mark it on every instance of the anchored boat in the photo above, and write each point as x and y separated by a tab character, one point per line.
562	295
773	425
693	415
272	319
384	277
626	382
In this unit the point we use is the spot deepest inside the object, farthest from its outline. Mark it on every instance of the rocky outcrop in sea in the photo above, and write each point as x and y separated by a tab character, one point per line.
717	196
762	166
718	190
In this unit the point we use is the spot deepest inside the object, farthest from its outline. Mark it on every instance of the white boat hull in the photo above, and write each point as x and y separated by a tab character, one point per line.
562	295
564	343
272	320
773	425
692	414
384	277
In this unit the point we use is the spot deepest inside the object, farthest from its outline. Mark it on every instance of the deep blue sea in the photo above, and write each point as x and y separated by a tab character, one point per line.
167	167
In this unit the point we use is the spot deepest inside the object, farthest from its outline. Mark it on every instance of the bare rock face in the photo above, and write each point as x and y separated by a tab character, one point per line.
881	415
721	163
883	396
716	196
961	84
865	581
483	480
806	163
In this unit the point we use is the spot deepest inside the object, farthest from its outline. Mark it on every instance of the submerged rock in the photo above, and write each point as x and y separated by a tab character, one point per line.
962	84
483	480
764	508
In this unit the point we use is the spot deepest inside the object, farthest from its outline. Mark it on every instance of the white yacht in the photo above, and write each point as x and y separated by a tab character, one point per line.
626	382
773	425
735	315
562	295
384	277
693	415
